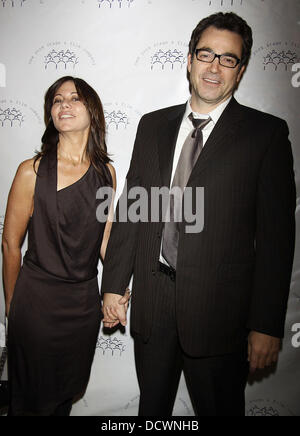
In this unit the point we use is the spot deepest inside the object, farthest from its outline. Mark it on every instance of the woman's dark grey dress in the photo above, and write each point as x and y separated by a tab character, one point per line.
55	312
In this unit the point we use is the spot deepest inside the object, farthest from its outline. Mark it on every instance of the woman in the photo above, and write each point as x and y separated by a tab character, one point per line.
53	300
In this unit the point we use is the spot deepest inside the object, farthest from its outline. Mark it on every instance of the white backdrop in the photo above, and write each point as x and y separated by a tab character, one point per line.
133	52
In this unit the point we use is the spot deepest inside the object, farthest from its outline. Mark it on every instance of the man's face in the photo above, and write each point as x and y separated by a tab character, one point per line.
213	83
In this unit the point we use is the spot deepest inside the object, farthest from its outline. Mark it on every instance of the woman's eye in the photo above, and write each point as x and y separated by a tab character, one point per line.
58	100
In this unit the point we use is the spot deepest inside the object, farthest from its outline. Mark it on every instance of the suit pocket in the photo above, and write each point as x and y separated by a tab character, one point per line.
233	272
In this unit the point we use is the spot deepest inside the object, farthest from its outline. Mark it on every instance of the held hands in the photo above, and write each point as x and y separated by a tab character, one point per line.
263	350
115	309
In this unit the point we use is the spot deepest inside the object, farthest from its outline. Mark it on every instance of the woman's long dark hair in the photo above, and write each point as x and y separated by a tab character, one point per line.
96	149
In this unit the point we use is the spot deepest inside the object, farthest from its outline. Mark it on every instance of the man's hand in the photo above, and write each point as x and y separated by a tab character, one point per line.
115	308
263	350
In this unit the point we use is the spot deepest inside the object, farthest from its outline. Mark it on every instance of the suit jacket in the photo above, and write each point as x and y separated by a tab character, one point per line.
234	276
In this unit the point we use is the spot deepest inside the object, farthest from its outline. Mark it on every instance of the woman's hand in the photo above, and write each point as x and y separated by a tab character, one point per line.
115	309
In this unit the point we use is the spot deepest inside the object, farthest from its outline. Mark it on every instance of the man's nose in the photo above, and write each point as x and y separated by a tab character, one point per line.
214	66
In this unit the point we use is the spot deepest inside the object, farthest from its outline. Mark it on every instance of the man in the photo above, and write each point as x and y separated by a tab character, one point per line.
209	302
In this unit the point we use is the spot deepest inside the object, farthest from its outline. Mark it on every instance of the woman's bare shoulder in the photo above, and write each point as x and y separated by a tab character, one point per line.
27	167
26	172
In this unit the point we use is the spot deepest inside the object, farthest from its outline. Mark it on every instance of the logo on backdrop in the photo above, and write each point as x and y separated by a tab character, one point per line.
116	119
11	117
2	76
61	56
118	3
267	408
164	56
12	3
120	117
168	59
276	58
278	55
113	347
14	113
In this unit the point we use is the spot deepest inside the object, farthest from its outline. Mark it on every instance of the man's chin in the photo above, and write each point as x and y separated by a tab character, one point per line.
211	98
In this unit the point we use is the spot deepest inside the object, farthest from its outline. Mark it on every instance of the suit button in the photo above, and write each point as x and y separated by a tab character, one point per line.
153	272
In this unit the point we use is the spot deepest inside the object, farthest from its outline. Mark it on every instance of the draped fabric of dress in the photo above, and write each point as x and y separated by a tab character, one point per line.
55	312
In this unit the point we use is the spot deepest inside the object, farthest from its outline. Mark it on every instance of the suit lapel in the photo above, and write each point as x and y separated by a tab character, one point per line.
222	134
167	136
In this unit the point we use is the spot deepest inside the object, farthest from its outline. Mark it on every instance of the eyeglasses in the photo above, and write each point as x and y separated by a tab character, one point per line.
227	61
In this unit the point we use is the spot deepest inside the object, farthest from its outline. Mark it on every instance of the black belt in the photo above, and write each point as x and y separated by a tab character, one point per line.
168	270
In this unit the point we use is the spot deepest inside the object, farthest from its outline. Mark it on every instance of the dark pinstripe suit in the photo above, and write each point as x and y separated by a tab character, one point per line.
234	276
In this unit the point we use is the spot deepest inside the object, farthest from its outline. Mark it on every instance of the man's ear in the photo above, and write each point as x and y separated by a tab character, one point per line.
241	72
190	60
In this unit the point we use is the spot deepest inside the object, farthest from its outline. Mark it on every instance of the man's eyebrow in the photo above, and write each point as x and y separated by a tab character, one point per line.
230	54
206	49
224	54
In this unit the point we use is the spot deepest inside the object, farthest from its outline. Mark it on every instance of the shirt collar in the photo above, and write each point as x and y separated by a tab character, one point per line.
214	114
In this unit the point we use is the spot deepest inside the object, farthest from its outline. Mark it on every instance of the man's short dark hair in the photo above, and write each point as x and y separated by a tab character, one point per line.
225	21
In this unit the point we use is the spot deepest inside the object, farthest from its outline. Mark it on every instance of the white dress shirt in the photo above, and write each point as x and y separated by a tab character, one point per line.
185	129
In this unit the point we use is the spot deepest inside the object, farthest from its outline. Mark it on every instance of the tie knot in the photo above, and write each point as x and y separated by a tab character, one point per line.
198	123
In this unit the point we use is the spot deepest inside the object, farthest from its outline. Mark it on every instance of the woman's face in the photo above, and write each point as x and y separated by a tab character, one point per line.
68	112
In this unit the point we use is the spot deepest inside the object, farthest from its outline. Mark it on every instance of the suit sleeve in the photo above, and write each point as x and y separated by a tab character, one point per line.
121	248
275	236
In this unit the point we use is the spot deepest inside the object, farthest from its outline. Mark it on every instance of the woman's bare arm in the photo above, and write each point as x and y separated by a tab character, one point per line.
18	211
111	317
110	215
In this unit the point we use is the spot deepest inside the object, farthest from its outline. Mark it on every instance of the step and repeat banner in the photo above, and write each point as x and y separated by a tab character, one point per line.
134	53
